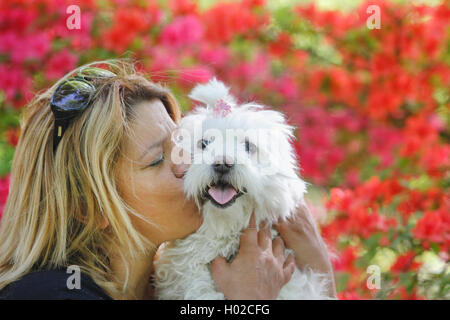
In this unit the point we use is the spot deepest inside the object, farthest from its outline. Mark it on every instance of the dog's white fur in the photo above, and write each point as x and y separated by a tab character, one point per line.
182	270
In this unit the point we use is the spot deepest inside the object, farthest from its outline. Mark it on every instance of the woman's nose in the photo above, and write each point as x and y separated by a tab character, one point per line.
180	161
179	170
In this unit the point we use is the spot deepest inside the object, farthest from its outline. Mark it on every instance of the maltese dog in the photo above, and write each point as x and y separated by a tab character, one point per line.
241	161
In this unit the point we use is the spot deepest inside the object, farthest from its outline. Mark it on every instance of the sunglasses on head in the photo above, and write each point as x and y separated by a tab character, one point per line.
72	97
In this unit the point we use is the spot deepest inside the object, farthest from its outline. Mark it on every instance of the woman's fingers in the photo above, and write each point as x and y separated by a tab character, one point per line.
264	237
252	224
278	249
250	235
289	259
288	268
219	267
301	224
220	272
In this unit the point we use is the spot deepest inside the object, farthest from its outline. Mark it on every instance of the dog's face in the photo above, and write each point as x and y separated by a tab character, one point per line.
242	160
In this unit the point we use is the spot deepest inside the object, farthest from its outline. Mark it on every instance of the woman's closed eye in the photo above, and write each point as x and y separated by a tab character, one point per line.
155	148
156	162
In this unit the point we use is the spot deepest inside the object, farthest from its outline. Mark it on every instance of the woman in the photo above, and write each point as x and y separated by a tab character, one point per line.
92	186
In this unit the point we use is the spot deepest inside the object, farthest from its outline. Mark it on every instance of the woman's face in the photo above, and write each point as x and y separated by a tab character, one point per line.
147	181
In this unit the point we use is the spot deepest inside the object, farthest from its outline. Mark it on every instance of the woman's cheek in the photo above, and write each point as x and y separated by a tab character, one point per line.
172	183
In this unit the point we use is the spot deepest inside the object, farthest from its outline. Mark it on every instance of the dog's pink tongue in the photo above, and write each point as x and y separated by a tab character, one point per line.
222	196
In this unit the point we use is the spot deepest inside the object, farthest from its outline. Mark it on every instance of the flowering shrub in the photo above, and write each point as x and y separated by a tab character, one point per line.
371	105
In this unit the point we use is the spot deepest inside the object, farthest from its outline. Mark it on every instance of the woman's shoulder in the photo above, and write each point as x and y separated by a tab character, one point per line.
53	285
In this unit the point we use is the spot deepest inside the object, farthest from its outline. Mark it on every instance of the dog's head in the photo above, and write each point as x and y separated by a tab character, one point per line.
241	156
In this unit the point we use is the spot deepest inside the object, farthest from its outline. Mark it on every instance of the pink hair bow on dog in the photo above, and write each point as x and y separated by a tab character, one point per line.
222	109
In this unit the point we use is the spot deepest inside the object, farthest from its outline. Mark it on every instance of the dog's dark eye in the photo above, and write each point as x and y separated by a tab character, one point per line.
249	147
201	144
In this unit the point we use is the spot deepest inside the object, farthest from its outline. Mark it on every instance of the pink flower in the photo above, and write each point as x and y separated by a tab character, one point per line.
24	47
80	38
383	141
33	46
250	72
182	31
344	119
14	83
161	60
4	190
195	74
216	56
288	87
59	64
8	41
17	19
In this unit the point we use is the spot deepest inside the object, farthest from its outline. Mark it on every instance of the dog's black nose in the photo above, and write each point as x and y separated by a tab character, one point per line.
223	166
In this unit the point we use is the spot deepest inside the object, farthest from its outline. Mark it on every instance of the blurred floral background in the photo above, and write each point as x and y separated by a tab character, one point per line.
372	106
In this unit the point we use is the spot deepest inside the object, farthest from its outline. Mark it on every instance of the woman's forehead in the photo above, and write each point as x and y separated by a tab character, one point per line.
151	123
152	118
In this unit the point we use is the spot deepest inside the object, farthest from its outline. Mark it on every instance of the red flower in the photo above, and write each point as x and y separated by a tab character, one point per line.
434	226
128	24
12	136
349	295
384	241
418	134
281	45
402	294
405	262
182	7
436	160
346	260
226	20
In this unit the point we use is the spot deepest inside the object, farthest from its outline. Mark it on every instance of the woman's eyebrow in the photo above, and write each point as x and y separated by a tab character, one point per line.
154	145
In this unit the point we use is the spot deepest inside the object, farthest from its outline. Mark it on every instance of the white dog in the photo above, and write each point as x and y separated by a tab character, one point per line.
242	161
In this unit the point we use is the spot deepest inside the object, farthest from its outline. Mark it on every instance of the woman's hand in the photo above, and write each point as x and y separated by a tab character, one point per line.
260	269
302	236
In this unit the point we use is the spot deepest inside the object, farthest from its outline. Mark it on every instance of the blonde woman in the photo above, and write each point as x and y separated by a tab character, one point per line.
93	186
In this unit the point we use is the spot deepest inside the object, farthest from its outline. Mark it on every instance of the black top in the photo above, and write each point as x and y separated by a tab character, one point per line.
53	285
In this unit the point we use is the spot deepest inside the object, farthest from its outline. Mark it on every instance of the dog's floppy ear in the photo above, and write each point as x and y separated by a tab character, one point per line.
212	91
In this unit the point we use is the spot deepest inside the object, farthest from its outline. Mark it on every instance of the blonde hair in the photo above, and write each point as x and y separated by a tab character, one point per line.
57	201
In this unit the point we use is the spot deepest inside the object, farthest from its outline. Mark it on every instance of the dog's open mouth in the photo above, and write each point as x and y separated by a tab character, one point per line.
222	194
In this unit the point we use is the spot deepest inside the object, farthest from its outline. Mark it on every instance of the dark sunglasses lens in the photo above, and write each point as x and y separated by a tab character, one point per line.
72	95
92	72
